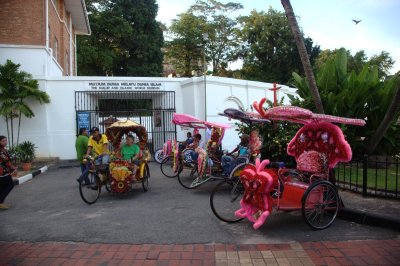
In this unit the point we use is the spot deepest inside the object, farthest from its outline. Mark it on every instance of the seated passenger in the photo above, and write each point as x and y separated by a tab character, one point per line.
228	161
196	143
187	142
131	152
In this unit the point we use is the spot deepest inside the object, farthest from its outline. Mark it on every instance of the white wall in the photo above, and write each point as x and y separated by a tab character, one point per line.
35	60
53	129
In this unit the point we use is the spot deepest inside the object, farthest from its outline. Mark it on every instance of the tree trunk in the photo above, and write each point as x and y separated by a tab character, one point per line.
393	109
12	128
19	126
8	129
303	55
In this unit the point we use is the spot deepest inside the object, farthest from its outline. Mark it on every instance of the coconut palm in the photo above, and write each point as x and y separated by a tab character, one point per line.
303	55
16	87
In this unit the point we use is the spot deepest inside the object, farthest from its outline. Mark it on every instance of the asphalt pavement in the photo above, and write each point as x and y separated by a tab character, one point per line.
48	224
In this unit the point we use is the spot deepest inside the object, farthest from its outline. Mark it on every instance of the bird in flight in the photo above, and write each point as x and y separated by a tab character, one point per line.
356	21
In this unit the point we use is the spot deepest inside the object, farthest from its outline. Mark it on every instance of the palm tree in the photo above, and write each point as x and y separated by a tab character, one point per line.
391	114
15	88
303	54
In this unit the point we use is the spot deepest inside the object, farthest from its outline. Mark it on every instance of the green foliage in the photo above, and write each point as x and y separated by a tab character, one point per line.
347	93
187	46
16	87
126	39
383	61
25	152
270	52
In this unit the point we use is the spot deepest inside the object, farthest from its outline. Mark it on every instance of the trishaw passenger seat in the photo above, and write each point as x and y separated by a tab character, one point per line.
312	162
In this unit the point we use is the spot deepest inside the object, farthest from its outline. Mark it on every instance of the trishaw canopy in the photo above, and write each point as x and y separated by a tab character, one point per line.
116	130
217	129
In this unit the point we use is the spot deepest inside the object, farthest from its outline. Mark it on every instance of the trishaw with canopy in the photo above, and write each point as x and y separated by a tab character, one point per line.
180	162
317	147
120	175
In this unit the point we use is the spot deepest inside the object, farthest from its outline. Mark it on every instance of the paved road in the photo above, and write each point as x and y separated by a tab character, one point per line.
49	208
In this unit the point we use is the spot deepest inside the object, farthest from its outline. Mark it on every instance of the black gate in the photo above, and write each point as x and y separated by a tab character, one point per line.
154	110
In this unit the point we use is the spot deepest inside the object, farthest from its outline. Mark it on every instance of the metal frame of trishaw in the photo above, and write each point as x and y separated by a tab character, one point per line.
117	177
317	147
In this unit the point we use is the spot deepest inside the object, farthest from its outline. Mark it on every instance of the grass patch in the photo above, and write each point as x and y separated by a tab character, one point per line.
380	178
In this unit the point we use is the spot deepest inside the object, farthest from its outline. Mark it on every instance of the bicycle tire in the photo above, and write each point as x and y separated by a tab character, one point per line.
187	175
159	155
90	192
145	178
166	167
320	204
225	200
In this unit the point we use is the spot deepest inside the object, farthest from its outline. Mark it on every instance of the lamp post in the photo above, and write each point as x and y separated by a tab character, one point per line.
205	39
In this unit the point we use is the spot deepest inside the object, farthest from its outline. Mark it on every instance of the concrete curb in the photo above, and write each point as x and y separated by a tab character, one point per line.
23	179
363	217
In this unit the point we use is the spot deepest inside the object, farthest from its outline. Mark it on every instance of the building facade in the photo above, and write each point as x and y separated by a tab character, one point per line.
40	35
42	32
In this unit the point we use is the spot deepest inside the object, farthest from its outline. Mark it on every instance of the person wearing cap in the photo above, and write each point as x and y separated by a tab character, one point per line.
228	161
98	146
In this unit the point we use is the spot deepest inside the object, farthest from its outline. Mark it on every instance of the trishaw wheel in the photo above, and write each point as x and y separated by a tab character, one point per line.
235	173
187	156
225	200
320	204
159	155
167	167
145	178
108	183
90	189
187	177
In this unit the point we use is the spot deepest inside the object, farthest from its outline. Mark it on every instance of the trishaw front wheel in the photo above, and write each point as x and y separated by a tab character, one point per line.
145	177
320	204
90	188
225	200
187	177
159	155
167	167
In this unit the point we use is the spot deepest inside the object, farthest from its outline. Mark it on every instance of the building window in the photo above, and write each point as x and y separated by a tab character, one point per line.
66	64
55	50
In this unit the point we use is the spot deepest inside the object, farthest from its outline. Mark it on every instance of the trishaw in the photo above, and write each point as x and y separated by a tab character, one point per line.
192	173
120	175
317	147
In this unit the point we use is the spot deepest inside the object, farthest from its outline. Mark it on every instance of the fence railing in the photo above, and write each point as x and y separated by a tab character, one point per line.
371	176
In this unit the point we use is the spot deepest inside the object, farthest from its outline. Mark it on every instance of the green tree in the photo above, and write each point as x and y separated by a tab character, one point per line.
223	44
185	49
269	52
356	62
356	95
126	39
16	88
187	46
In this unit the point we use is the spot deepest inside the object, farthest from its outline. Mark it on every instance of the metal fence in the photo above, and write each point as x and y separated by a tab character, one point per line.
153	110
372	176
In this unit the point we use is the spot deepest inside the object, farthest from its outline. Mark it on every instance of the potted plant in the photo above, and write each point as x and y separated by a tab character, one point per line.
26	154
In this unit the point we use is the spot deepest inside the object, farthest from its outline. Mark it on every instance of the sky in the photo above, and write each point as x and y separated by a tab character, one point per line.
328	22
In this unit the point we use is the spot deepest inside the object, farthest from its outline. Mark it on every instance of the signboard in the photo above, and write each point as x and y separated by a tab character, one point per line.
83	120
112	85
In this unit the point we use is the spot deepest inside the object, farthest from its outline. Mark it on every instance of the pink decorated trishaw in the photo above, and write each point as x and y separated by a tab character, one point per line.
180	163
317	147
